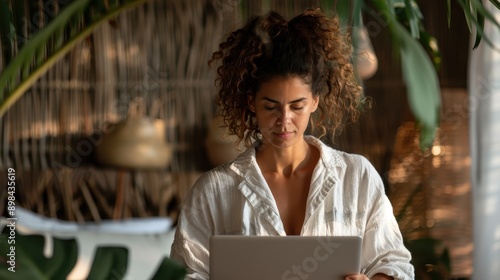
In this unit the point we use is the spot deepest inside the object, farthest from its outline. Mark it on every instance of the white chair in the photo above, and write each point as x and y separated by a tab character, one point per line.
148	240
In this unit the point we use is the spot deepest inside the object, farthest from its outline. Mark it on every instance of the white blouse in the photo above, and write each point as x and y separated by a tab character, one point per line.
346	197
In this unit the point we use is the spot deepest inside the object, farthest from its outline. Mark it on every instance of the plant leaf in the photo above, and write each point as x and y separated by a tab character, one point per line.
412	19
478	22
357	11
427	135
475	14
479	7
109	263
474	21
169	270
391	5
431	45
479	29
343	11
30	263
21	62
495	3
422	84
420	77
467	13
10	88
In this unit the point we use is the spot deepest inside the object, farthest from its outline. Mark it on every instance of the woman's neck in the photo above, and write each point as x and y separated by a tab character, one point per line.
284	161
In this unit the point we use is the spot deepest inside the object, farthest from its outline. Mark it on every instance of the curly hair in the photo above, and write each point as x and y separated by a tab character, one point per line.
311	46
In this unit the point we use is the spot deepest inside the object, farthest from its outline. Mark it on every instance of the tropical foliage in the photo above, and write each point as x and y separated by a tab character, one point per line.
418	50
36	34
31	263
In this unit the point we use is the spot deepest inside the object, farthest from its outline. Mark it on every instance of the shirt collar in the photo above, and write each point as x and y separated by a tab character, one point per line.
254	185
246	165
328	159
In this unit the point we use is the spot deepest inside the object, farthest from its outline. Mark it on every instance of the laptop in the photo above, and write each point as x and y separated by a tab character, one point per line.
284	257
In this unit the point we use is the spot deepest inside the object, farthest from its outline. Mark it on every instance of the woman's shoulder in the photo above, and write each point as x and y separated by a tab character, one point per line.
357	163
357	175
225	177
219	176
213	186
349	164
352	160
341	158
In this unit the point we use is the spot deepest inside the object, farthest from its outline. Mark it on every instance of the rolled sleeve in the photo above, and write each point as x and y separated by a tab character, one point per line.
383	247
191	241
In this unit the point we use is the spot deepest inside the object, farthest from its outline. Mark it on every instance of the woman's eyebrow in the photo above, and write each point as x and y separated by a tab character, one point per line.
291	102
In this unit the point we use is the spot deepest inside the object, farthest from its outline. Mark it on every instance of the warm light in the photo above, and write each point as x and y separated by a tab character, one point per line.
436	162
397	174
442	214
437	150
433	44
461	189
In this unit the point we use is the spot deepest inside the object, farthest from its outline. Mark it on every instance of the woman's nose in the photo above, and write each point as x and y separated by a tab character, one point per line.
284	116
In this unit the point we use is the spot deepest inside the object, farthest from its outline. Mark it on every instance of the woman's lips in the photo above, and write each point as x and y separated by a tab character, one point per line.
284	134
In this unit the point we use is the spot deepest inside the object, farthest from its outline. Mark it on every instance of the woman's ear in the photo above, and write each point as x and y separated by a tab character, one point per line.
315	103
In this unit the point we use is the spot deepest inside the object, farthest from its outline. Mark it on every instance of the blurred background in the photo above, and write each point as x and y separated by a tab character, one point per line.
107	121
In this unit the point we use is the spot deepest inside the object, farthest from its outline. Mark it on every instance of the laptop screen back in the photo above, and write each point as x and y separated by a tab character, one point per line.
284	257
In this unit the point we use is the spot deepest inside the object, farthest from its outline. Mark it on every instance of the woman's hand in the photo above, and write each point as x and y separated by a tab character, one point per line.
378	276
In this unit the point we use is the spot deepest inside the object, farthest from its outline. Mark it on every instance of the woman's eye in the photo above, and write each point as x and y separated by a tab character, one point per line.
297	108
269	108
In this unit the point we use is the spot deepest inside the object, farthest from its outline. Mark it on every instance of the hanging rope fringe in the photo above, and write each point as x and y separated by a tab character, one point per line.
158	53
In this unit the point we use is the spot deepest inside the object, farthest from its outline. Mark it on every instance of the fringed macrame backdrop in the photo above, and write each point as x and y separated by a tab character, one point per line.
156	53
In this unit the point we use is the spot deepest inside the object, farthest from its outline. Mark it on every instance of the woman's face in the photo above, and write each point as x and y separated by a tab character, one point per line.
283	107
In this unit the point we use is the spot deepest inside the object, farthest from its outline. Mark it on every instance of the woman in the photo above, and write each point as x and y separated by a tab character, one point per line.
276	78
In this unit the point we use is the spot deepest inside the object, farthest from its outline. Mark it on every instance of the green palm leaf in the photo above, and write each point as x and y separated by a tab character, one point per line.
423	86
475	15
73	24
420	77
496	3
